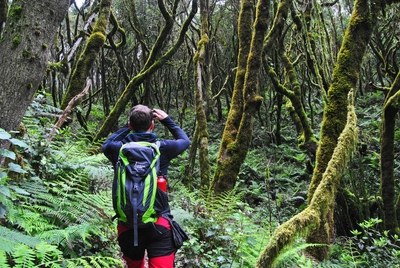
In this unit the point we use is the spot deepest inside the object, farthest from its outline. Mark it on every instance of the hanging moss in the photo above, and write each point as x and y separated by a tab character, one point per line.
345	77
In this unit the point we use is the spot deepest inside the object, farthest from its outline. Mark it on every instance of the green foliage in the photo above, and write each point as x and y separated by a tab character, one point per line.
368	247
60	218
221	230
295	256
10	239
59	214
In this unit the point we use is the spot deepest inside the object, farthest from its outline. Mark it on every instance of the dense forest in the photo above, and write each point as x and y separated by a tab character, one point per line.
290	107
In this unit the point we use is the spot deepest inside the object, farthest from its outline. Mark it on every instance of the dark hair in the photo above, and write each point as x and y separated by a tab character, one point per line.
140	118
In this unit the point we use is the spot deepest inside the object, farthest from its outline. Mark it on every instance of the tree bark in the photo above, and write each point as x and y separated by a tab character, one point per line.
315	215
345	77
75	101
306	138
390	112
3	13
90	53
201	66
245	101
25	51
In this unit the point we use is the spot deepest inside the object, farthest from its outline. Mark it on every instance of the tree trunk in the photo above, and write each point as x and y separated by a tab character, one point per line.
345	77
390	111
29	32
3	13
153	64
245	101
90	53
315	215
201	65
306	138
336	145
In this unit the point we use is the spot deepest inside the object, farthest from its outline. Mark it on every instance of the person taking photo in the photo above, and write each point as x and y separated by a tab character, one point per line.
155	238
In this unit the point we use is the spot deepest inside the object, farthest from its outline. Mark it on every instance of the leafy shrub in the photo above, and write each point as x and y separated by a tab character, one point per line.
368	247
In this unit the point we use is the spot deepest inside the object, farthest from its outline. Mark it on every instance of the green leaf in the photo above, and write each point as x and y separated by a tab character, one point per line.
5	190
10	239
47	253
7	153
19	143
16	168
4	135
19	190
3	211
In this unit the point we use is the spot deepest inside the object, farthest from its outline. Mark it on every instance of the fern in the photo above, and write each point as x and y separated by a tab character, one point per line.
226	202
46	253
93	261
3	259
291	256
10	239
24	256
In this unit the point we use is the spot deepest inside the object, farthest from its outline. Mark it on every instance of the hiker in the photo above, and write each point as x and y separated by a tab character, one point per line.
156	238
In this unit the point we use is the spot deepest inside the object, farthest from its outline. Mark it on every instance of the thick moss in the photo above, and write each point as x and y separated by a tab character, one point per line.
317	218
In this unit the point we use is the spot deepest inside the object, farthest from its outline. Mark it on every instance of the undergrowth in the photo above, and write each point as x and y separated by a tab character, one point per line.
56	210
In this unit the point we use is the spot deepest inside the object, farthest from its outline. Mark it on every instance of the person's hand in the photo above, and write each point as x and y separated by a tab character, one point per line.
159	114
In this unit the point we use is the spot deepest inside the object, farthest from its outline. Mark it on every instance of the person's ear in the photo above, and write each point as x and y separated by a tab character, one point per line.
129	124
152	125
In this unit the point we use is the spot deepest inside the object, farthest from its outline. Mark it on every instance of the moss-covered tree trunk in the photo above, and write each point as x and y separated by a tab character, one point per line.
292	90
89	54
333	152
390	112
25	43
345	77
153	64
323	201
201	63
245	101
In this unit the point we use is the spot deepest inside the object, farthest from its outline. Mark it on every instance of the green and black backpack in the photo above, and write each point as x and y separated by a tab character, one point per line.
136	199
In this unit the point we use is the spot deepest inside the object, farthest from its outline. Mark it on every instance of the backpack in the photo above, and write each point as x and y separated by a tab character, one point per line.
136	199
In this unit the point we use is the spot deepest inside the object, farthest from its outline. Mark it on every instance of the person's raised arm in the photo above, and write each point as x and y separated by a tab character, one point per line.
167	121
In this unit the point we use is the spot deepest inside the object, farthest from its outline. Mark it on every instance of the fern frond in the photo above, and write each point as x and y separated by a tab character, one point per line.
10	239
47	253
226	202
23	256
3	259
33	222
67	236
83	263
291	253
96	261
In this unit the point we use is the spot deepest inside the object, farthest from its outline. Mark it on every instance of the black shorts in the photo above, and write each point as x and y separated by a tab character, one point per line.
155	238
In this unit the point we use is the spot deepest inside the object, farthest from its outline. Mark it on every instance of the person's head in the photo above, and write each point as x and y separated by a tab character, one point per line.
141	119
